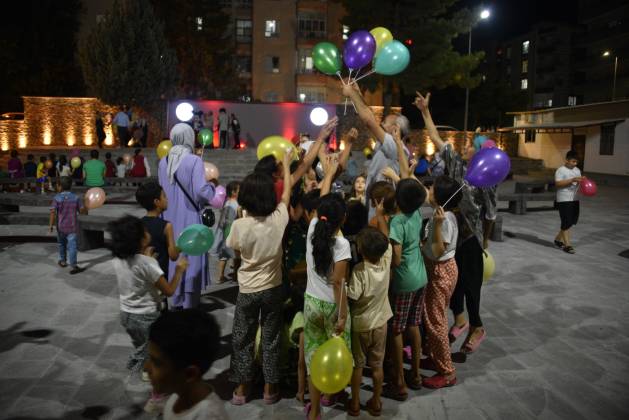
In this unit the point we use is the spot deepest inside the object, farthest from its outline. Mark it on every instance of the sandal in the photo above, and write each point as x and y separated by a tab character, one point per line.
307	409
372	410
238	399
414	383
271	399
351	411
438	381
472	345
330	400
62	264
569	249
394	394
456	331
559	244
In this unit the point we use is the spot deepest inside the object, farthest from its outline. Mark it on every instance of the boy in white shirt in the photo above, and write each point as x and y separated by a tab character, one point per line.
567	178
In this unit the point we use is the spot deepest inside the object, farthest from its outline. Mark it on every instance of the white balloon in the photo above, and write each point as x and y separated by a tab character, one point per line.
318	116
184	111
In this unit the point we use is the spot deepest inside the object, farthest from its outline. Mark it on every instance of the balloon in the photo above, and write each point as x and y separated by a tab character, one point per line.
205	136
489	266
331	366
276	146
211	171
126	158
478	142
382	36
392	58
588	187
326	58
219	197
359	49
488	144
195	240
75	162
488	167
367	151
48	164
163	148
94	198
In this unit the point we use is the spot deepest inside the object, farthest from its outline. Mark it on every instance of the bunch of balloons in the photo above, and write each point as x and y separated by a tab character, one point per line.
195	240
276	146
377	47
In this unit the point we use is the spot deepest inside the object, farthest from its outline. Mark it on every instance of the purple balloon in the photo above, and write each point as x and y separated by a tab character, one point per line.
488	167
219	197
359	49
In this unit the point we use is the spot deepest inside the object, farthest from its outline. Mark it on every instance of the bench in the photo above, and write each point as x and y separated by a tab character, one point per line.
518	201
12	201
91	233
113	184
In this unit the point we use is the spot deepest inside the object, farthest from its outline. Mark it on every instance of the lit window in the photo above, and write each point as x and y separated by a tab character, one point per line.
271	28
345	32
305	63
549	102
271	64
572	100
302	97
524	84
311	94
243	30
199	21
525	47
525	66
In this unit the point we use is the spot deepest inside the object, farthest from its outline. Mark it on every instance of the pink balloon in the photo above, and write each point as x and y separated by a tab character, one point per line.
588	187
211	171
487	144
94	198
219	197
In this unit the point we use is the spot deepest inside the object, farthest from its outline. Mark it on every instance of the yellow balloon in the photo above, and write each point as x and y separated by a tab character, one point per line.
331	366
382	36
489	265
163	148
276	146
367	151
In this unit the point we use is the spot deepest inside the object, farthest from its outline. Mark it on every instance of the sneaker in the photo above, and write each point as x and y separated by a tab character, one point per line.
156	404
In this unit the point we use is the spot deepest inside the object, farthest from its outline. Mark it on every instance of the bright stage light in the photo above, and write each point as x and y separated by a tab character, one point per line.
318	116
184	111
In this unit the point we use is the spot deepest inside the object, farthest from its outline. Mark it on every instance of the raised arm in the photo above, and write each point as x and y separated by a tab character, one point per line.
401	154
422	104
352	91
288	183
348	139
325	132
330	166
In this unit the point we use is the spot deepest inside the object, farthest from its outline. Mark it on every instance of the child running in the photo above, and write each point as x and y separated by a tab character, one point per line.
439	250
368	290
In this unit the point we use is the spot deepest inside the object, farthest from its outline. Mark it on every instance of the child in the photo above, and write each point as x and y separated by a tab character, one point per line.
408	282
567	179
358	190
153	199
382	191
227	217
64	168
257	239
110	167
139	166
181	348
140	281
41	173
64	210
121	168
439	250
371	311
30	167
327	257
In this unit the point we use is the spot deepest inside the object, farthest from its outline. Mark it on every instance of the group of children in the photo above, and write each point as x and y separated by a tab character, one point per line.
310	265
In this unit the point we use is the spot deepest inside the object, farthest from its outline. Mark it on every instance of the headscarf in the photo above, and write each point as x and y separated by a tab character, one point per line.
182	137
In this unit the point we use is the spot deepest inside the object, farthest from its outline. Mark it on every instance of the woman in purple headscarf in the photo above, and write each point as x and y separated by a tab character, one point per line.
182	177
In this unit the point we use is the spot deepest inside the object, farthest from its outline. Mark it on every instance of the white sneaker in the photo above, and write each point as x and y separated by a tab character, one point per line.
145	376
156	404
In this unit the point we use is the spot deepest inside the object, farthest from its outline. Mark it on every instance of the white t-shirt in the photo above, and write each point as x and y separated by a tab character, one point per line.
136	284
65	171
449	233
211	408
259	240
567	193
318	286
121	170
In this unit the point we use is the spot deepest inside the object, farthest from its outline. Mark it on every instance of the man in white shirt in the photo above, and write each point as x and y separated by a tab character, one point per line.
567	179
223	127
121	120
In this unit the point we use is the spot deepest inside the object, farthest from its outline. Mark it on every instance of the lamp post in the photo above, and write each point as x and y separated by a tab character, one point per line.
484	14
607	53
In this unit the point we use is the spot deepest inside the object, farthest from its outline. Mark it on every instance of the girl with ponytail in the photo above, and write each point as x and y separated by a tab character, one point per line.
325	300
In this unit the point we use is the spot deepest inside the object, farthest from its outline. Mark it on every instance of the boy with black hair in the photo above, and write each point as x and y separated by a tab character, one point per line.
64	212
567	178
370	310
153	199
30	167
228	214
182	346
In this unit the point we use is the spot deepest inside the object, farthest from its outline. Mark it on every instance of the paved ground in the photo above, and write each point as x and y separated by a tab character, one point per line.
558	327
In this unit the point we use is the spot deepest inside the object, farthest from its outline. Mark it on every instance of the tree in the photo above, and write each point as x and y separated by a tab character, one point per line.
428	28
198	31
38	39
125	58
491	100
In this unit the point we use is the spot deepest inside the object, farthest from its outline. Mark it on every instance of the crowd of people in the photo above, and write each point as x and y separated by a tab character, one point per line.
225	125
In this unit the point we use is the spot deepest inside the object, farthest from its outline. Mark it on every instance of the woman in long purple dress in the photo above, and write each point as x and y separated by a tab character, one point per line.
183	169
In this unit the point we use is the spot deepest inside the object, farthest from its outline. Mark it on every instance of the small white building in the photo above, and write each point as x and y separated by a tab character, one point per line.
599	133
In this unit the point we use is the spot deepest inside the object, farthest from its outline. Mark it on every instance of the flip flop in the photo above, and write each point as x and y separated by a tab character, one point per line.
350	411
307	409
373	411
456	331
271	399
238	399
471	346
394	394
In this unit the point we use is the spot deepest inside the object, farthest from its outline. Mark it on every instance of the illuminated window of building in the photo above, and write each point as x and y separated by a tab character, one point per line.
311	94
199	21
243	30
525	66
524	84
271	64
304	61
271	28
345	32
572	100
525	47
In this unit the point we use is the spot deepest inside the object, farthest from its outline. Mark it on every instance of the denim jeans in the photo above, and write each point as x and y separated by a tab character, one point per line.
137	326
67	242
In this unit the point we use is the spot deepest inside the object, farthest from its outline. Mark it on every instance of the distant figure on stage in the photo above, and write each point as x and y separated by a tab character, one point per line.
235	124
223	126
121	120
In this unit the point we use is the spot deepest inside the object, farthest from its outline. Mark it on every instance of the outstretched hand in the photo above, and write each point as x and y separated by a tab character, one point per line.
328	127
422	102
351	135
350	88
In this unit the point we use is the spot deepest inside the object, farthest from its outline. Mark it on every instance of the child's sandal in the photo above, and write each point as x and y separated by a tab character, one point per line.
372	409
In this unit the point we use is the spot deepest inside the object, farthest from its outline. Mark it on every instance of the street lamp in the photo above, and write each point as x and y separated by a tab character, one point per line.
608	53
483	15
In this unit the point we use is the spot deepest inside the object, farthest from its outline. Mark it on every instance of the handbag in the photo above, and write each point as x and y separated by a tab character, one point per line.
207	215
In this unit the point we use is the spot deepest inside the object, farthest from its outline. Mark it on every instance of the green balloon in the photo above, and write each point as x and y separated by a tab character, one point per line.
326	58
392	58
205	136
195	240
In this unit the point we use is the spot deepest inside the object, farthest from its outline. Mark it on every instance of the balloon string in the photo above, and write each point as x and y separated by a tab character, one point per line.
452	196
349	78
364	75
202	151
338	73
341	300
357	73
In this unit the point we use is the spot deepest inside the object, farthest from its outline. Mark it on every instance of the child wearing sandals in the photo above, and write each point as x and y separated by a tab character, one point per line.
370	310
439	250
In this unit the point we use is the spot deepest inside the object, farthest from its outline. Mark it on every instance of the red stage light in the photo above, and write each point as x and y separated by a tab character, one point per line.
409	42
